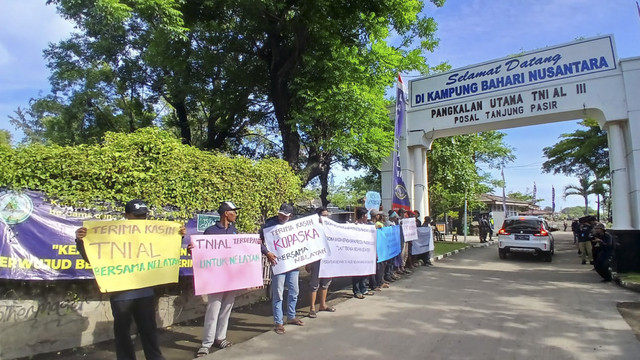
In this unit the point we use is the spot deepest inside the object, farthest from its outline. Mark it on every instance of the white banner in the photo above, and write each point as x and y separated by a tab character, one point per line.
296	243
424	242
409	229
353	250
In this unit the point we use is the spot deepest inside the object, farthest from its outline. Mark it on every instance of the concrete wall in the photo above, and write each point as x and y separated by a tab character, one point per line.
43	318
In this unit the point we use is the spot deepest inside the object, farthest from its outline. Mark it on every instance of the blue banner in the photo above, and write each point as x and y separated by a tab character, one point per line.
400	197
388	242
37	238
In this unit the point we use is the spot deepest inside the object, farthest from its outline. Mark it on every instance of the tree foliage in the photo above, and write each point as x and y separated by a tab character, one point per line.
5	138
176	180
582	153
454	169
239	76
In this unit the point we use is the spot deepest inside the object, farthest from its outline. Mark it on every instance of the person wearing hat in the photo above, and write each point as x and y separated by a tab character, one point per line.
219	305
604	243
584	238
137	304
278	281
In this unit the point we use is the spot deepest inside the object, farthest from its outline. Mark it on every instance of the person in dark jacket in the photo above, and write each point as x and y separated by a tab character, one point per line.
137	304
604	243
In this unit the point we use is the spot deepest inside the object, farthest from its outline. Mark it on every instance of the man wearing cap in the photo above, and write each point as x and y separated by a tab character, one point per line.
219	305
278	281
137	305
584	238
604	243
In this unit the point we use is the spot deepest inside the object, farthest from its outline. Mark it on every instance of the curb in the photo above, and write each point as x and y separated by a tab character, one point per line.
480	245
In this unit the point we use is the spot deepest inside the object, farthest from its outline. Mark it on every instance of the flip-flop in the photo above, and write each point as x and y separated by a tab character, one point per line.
329	309
222	344
313	314
279	329
295	321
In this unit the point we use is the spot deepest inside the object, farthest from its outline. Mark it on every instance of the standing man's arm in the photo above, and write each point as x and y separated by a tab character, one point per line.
80	235
271	257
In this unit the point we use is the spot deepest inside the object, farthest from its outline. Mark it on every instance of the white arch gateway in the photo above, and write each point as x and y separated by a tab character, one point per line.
571	81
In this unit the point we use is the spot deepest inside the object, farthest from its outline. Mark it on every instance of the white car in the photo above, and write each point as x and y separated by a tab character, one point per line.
525	234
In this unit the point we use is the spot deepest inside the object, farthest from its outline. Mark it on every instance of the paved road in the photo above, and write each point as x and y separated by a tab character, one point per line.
469	306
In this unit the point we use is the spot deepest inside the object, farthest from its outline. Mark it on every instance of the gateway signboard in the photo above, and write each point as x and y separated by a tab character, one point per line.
574	60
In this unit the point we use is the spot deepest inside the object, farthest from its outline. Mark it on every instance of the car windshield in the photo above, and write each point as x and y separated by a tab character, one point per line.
522	225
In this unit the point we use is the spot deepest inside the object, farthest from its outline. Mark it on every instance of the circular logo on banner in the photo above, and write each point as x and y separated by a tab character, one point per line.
401	192
15	208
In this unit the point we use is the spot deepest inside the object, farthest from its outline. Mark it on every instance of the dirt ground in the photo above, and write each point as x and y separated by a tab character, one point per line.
630	312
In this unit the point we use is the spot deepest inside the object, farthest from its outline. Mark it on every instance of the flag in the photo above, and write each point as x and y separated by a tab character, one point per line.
504	197
553	199
400	197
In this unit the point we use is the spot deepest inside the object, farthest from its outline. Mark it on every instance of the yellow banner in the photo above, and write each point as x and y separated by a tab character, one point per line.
132	254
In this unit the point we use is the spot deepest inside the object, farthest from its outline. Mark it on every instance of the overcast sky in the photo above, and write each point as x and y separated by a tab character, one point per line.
470	32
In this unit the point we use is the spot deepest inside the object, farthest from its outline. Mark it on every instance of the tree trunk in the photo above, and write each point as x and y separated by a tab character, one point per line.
183	122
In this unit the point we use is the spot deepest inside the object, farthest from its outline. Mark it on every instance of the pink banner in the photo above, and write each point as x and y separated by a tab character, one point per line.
226	262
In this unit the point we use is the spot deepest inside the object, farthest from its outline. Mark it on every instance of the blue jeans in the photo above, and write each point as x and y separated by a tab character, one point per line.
277	293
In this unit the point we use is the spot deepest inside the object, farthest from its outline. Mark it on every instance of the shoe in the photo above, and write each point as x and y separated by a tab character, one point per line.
590	262
369	293
584	262
388	278
377	289
358	296
429	263
385	285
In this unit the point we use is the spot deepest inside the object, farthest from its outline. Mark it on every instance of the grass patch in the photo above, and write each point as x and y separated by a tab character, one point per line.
632	277
443	247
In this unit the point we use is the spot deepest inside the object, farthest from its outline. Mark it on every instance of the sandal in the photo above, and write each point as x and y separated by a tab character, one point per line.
369	293
329	309
279	329
295	321
203	351
222	344
358	295
313	314
385	286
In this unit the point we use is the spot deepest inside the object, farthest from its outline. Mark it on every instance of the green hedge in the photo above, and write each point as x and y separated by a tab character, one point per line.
150	164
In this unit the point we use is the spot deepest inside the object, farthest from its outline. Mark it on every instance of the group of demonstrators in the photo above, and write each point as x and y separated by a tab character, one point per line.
128	260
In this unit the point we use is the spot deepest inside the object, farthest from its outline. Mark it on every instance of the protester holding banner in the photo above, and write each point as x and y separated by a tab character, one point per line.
425	257
219	305
359	282
278	280
137	304
319	286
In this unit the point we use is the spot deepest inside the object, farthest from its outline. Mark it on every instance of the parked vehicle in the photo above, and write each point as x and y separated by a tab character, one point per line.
526	234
